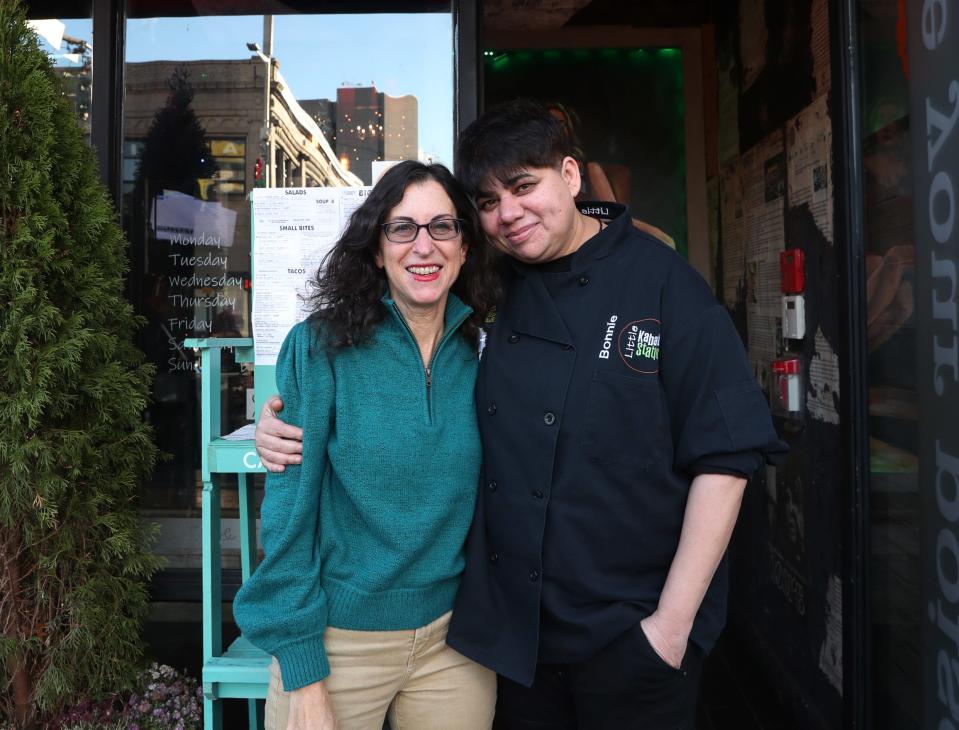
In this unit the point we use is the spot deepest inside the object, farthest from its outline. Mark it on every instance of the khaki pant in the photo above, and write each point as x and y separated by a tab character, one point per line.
411	676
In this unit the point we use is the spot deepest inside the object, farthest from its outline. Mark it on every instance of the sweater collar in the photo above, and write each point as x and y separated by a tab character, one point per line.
456	312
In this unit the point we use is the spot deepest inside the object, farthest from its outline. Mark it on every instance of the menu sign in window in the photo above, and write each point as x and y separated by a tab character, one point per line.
293	230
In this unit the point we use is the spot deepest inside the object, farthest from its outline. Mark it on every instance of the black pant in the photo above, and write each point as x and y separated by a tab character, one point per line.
626	685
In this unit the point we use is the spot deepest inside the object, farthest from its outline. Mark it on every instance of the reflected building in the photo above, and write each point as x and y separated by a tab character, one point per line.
371	125
228	100
76	79
229	105
400	130
196	142
323	112
225	106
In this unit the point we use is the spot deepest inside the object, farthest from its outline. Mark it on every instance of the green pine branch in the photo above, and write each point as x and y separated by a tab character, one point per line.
75	560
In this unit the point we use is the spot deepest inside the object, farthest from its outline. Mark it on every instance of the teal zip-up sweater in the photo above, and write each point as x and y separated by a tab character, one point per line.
367	533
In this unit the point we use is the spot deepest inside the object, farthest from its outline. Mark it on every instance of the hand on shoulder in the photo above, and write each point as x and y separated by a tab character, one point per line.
277	443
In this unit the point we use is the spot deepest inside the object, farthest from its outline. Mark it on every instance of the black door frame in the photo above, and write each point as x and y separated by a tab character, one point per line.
846	106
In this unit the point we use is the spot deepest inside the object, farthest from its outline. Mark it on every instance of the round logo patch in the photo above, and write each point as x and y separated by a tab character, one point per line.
638	345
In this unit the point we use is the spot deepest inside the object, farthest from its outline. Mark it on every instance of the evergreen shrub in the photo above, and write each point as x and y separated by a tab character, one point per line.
75	560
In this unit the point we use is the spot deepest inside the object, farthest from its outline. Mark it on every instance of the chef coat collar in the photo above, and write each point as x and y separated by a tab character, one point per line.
618	225
533	310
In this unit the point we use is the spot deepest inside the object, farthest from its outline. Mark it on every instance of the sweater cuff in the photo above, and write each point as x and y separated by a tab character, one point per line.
302	663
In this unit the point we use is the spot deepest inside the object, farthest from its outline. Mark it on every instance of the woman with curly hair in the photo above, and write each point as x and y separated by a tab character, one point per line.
363	540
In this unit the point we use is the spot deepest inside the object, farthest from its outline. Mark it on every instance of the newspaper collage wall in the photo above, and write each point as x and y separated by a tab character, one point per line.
775	191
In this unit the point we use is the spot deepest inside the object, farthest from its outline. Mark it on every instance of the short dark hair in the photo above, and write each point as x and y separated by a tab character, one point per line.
507	138
347	289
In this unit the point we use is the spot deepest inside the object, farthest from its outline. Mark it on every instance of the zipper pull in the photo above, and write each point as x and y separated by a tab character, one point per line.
429	377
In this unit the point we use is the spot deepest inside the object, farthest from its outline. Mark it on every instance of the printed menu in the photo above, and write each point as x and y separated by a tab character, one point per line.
293	230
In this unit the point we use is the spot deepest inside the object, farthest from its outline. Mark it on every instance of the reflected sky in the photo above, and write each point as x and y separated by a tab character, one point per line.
82	29
398	53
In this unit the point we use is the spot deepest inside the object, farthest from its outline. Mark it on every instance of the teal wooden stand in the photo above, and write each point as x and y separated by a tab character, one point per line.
242	671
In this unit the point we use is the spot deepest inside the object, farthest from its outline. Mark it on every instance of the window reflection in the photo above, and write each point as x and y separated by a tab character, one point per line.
69	44
891	329
215	106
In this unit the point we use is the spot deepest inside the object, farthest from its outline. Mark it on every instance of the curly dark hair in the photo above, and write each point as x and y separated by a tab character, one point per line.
348	286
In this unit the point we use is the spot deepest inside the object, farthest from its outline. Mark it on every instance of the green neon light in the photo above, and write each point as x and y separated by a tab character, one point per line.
499	59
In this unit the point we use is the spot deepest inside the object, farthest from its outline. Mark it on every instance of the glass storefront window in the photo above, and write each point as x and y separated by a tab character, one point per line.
893	412
215	106
69	44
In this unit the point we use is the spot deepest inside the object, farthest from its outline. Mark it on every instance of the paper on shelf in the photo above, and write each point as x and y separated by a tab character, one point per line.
243	433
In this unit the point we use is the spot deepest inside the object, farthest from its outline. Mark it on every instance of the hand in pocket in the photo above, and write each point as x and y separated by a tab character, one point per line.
670	646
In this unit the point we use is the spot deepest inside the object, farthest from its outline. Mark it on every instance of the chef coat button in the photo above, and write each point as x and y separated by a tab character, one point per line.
583	280
492	408
548	418
537	493
493	557
491	485
513	339
533	576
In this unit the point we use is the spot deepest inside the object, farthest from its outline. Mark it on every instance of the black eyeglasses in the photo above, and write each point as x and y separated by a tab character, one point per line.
442	229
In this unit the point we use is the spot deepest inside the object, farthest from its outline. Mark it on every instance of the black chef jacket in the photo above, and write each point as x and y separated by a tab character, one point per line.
602	391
